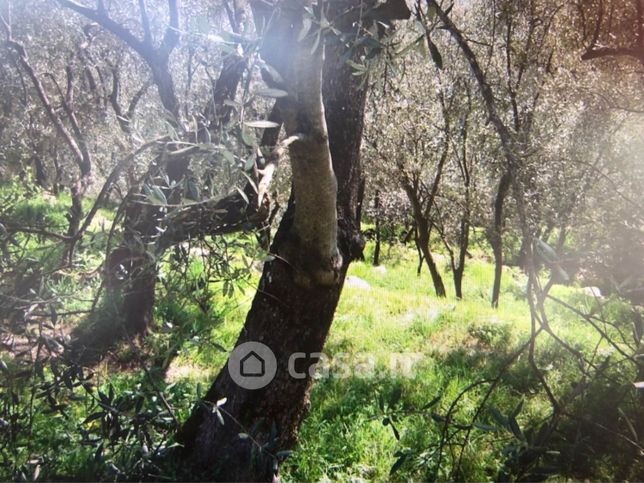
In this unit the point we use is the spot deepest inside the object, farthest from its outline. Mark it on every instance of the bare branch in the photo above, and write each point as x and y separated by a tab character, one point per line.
172	35
145	21
81	156
157	59
136	98
100	16
111	179
632	52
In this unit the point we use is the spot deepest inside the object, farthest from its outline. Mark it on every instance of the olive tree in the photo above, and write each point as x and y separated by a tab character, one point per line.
318	236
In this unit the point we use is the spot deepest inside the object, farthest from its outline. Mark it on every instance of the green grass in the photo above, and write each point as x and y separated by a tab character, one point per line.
344	437
456	342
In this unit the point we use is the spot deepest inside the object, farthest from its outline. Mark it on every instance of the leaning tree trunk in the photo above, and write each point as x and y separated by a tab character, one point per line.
299	290
422	233
496	236
437	280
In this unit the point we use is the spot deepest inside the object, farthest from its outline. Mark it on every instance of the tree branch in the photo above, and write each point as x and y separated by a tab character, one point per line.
81	155
172	35
157	59
101	17
145	22
596	53
111	179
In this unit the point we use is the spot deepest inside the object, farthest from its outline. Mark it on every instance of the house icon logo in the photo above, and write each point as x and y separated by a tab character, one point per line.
252	365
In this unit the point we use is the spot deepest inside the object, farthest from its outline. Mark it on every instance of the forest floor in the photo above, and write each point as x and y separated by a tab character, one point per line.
470	407
452	344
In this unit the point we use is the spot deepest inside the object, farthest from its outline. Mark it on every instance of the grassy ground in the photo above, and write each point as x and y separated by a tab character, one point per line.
364	421
344	436
454	343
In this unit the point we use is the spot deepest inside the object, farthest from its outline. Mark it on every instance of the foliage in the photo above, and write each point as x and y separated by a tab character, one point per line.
128	128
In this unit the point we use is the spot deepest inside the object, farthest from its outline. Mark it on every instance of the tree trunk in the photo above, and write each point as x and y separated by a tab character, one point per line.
288	318
524	250
132	271
419	252
437	280
422	235
464	242
40	171
409	234
74	217
136	291
496	236
422	245
458	284
129	275
376	251
288	314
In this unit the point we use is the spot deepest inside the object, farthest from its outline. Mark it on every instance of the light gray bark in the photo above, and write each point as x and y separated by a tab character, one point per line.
314	182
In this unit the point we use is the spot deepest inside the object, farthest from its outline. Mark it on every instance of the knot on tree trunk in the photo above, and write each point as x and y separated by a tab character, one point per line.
309	268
